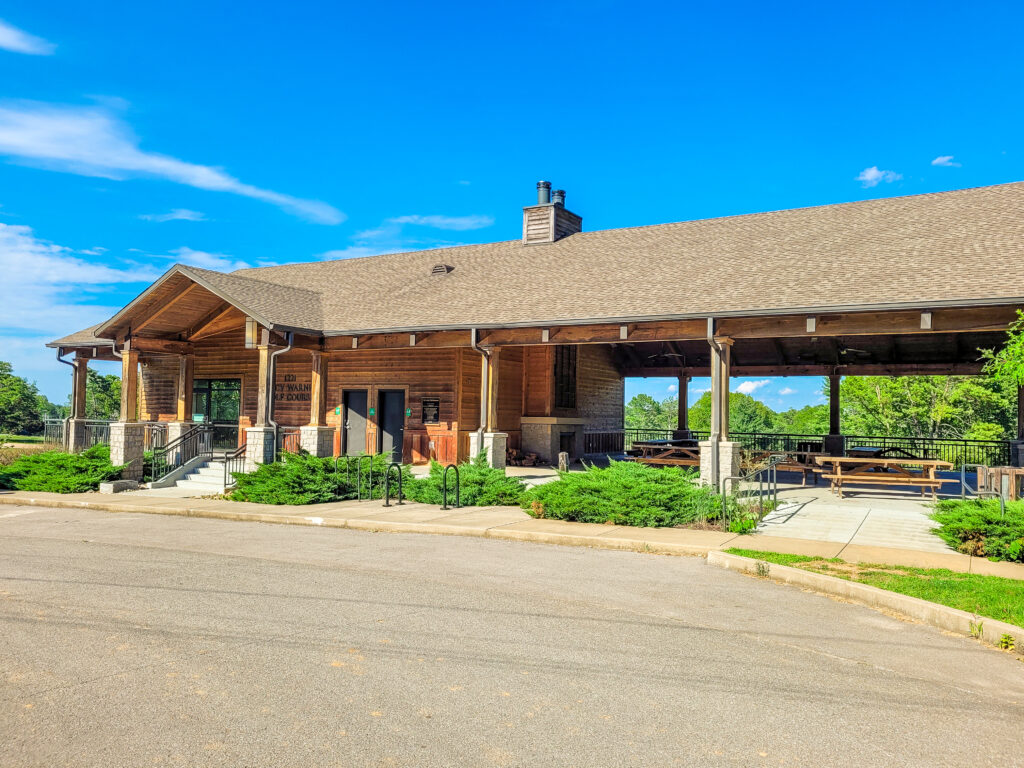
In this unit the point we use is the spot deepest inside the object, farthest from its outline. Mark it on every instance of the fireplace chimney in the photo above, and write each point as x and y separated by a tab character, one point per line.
549	220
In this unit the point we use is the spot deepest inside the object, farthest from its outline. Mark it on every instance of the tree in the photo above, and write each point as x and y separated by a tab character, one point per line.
19	403
973	407
746	414
644	412
809	420
102	396
1007	364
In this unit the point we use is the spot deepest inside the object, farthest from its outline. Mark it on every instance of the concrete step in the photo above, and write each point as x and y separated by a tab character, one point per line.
203	479
209	470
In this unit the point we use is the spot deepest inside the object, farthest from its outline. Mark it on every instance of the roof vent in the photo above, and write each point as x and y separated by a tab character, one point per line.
549	220
441	269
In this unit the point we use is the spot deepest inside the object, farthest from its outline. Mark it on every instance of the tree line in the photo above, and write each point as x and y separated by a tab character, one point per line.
970	407
23	408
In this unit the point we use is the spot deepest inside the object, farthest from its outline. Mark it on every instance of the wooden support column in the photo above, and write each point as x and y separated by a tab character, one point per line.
716	390
723	390
833	404
263	389
492	390
186	376
318	391
129	385
684	412
79	377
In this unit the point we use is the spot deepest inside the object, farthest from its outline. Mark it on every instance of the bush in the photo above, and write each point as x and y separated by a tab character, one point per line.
59	472
300	478
479	486
977	528
625	493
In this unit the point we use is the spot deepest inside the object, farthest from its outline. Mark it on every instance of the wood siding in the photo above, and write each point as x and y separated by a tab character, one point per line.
538	380
158	399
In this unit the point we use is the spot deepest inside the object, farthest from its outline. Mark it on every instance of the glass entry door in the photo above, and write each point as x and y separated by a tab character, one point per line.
218	402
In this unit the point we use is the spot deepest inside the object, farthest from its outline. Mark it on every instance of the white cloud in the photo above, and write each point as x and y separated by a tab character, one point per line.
177	214
945	161
219	262
14	39
457	223
871	177
92	141
749	387
672	388
787	391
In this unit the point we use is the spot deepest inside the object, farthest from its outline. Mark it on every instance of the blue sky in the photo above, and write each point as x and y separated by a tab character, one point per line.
136	135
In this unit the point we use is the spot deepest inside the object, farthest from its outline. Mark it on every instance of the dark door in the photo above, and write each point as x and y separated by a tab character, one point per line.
218	402
392	423
353	433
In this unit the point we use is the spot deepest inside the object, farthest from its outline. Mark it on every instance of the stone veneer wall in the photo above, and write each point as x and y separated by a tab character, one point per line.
600	388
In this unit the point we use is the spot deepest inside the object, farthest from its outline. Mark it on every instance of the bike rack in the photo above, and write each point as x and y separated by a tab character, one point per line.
981	494
387	484
359	478
444	487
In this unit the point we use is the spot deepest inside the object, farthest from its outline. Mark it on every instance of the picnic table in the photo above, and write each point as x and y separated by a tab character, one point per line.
872	452
882	470
678	453
793	461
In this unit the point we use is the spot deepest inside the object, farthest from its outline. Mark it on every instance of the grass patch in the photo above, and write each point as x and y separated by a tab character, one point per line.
994	597
21	439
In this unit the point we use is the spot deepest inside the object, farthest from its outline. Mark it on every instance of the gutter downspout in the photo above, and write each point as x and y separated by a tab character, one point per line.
74	399
716	409
272	374
484	387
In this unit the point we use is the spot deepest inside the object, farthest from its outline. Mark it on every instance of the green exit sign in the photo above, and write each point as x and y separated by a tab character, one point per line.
373	411
337	411
408	411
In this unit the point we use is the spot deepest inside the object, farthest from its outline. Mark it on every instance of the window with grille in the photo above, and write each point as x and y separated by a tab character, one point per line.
565	376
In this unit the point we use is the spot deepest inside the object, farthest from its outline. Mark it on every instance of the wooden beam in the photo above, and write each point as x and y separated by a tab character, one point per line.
79	377
263	388
318	390
817	369
129	384
607	333
833	404
186	375
170	304
211	323
161	346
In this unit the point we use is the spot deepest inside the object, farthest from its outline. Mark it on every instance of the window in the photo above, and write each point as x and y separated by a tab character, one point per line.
565	376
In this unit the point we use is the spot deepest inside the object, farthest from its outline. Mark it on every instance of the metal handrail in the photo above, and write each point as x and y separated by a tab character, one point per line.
771	468
964	488
444	488
235	458
387	484
196	442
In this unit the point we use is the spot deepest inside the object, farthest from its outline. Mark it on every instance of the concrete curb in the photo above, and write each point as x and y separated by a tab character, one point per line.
933	614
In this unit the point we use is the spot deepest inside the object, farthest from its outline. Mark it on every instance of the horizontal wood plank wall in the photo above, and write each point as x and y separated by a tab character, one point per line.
469	416
158	399
225	357
538	381
293	384
600	388
421	373
510	393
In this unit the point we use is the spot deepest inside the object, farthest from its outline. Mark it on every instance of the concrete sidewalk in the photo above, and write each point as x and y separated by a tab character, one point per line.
507	523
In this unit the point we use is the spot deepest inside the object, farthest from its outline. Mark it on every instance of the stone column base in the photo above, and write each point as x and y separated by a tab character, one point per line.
176	429
127	439
1017	453
834	445
729	464
495	446
318	441
259	447
74	436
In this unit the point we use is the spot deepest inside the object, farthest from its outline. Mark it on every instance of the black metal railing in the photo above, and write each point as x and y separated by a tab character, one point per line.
766	478
616	441
991	453
289	439
234	461
195	443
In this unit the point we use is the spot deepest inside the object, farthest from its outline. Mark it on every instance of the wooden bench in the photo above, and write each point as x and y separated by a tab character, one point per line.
795	461
849	470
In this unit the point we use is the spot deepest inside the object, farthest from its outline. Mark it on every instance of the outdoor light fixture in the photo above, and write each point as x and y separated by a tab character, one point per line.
412	339
926	321
251	329
623	332
812	324
355	342
545	335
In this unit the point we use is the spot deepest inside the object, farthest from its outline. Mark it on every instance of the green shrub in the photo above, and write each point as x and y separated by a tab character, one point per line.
300	478
625	493
479	486
978	528
59	472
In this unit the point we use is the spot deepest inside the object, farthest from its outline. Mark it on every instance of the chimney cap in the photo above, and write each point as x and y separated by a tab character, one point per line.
543	192
558	197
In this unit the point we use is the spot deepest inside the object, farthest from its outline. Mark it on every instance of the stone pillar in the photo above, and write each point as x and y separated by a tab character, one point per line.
495	446
729	462
319	441
127	443
74	436
259	447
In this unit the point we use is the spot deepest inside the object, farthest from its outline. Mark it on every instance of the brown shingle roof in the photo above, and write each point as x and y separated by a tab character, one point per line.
947	248
84	338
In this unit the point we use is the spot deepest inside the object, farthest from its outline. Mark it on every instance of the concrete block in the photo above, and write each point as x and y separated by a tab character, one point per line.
74	437
117	486
729	464
127	444
494	446
259	447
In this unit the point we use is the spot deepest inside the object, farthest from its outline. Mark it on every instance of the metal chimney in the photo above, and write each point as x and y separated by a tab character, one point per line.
543	192
558	197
